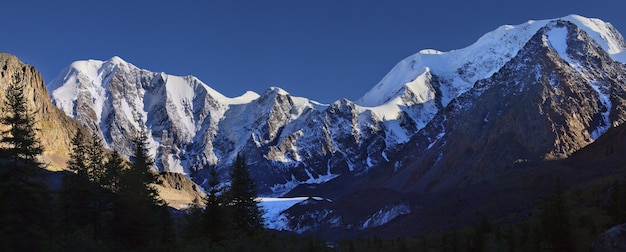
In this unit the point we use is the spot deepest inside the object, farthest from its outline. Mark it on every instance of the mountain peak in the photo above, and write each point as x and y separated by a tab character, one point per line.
602	32
294	139
276	90
117	60
463	67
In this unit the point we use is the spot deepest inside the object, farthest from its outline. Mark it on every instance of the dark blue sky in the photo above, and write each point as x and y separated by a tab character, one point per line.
324	49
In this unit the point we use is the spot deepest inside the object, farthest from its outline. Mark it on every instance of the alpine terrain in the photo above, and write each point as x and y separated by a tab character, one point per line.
438	127
50	120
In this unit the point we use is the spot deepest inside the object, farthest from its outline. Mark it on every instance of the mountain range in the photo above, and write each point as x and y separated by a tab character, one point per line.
410	115
440	127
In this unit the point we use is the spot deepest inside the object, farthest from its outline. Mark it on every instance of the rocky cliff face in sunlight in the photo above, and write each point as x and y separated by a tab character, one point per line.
56	128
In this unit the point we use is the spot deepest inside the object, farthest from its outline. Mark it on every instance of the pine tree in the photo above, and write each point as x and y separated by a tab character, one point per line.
555	221
78	159
25	199
137	209
214	211
246	214
84	199
95	160
20	143
76	190
137	181
194	228
113	168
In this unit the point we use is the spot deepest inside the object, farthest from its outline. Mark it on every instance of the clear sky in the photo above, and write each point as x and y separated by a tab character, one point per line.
324	49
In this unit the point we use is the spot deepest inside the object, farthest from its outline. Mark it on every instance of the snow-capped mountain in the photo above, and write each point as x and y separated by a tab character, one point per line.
430	79
293	140
559	93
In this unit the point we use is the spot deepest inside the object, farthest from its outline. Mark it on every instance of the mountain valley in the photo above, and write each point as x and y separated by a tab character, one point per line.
444	139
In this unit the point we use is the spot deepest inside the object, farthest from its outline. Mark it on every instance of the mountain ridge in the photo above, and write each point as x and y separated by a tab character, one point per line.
293	140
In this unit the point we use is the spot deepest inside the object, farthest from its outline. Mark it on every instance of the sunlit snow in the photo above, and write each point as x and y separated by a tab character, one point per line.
273	207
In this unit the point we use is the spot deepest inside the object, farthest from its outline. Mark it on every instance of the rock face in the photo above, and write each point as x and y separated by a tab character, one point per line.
178	190
557	95
611	240
56	128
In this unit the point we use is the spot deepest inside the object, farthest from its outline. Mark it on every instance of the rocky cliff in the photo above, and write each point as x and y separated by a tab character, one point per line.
56	128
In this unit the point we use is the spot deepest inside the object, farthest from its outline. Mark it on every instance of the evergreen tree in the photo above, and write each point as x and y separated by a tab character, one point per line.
96	173
113	168
137	209
84	200
194	221
78	159
109	187
555	221
76	190
25	199
95	158
617	208
19	143
246	214
214	212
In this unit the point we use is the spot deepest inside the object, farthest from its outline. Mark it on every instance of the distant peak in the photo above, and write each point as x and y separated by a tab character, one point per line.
276	90
117	60
430	51
576	16
602	32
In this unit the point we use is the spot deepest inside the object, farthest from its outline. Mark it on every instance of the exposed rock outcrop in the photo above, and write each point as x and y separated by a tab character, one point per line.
612	240
56	128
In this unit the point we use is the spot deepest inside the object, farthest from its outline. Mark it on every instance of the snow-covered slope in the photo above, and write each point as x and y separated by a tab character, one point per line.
411	83
290	140
559	93
115	99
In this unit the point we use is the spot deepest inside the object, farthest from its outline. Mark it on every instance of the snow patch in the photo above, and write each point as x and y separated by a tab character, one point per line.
557	39
603	93
602	32
273	207
619	57
384	154
281	189
385	215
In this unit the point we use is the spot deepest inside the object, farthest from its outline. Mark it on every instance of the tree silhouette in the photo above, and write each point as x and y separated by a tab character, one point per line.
246	214
77	192
23	218
113	168
214	212
137	209
555	220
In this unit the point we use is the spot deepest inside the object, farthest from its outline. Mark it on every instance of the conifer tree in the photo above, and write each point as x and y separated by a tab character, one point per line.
25	199
20	143
194	228
95	160
246	214
113	168
84	199
214	211
76	190
137	209
78	160
555	220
